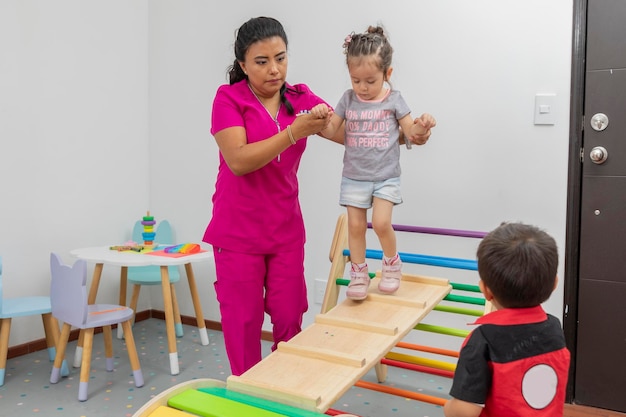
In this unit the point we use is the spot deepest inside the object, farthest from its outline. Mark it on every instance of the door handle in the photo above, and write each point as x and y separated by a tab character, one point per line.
598	155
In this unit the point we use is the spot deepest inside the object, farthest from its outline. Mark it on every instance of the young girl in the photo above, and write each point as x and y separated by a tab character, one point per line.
373	113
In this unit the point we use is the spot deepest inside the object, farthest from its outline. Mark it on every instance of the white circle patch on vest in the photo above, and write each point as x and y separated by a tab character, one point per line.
539	386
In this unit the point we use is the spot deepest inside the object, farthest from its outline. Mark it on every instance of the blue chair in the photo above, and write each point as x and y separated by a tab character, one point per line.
151	275
26	306
68	298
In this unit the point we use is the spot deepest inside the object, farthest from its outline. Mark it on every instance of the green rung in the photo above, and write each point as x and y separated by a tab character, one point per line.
465	299
442	330
459	310
207	405
282	409
345	282
455	285
465	287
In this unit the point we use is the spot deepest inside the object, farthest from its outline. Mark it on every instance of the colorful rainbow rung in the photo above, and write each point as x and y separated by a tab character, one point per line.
210	398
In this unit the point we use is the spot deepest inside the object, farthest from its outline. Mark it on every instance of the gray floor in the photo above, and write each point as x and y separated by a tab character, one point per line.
28	392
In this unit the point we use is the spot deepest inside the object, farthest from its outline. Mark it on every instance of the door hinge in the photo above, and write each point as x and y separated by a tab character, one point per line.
582	123
582	155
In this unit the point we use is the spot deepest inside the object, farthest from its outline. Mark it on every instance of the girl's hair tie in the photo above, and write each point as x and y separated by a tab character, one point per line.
347	40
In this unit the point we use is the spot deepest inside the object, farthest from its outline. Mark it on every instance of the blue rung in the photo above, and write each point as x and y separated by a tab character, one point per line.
414	258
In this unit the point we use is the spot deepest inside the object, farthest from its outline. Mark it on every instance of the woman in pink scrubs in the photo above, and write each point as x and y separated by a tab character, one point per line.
261	124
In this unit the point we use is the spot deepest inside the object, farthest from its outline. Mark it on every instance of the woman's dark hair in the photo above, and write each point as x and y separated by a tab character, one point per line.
518	263
252	31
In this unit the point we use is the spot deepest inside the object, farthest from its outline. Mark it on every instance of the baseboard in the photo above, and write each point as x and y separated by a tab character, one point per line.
209	324
40	344
576	410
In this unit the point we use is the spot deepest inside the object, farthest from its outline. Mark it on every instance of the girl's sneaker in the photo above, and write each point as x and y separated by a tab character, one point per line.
391	276
359	283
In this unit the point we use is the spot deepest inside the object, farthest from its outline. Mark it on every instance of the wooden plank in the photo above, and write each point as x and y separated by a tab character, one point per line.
317	379
422	279
356	324
320	353
306	379
408	302
273	392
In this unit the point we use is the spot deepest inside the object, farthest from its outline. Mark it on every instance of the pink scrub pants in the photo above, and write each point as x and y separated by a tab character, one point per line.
249	285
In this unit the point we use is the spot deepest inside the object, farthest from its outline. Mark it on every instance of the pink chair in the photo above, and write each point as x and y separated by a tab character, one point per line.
68	296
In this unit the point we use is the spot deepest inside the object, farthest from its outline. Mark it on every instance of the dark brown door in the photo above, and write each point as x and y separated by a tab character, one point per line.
600	360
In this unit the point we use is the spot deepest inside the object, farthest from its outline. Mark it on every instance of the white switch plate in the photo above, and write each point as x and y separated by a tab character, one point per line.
319	290
545	109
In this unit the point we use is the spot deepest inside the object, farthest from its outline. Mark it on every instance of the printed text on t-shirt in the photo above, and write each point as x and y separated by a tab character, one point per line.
368	128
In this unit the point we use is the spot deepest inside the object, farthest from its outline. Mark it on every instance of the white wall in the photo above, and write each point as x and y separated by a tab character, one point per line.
73	136
475	65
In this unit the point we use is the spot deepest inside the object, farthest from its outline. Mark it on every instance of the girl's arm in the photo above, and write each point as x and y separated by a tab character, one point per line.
335	129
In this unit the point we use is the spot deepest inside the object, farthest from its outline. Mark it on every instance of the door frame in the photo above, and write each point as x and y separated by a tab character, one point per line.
574	183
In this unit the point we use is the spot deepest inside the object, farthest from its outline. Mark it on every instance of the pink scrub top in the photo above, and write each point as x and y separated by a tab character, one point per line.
258	212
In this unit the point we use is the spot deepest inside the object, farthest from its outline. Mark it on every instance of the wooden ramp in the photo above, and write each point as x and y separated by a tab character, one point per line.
317	366
307	375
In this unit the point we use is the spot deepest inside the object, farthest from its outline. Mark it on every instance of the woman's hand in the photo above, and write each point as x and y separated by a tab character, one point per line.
321	111
308	124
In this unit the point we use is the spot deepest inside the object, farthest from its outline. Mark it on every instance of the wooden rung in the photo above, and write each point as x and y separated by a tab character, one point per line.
323	354
356	324
421	279
272	392
395	300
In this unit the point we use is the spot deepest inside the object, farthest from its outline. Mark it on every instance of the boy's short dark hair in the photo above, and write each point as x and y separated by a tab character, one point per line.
518	263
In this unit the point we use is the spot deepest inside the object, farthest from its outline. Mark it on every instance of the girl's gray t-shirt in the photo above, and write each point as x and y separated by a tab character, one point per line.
372	151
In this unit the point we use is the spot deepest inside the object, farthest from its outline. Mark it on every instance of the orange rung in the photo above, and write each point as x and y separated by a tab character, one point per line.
429	349
432	363
418	368
401	392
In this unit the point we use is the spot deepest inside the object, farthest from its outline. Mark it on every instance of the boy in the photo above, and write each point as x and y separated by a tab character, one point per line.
516	363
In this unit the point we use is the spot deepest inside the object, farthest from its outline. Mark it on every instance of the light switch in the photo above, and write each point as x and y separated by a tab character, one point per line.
545	109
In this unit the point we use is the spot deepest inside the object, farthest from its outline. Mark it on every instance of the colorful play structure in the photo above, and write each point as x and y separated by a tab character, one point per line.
305	376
